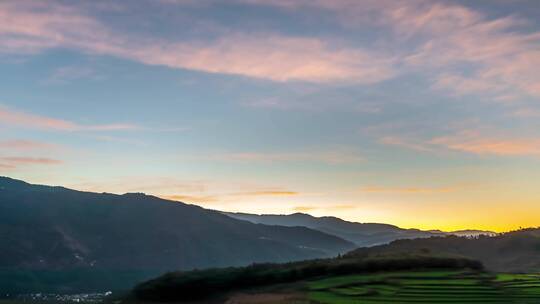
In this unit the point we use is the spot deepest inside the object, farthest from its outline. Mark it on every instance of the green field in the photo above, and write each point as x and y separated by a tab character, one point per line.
427	287
394	287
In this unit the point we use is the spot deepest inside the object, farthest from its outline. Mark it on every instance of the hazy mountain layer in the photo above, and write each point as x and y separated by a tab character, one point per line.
517	251
362	234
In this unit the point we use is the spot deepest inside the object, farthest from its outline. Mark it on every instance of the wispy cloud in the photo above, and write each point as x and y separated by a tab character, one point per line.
476	143
155	184
221	197
406	190
426	37
11	163
32	27
326	208
471	141
20	144
21	119
30	160
467	51
274	57
304	208
190	191
494	57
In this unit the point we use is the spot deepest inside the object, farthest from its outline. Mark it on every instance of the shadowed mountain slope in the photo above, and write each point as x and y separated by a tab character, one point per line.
54	228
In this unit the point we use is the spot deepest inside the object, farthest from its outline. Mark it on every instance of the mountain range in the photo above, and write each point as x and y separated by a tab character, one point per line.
361	234
44	228
54	236
55	227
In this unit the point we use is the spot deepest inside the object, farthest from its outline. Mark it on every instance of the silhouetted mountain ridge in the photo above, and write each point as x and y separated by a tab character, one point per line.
58	227
55	228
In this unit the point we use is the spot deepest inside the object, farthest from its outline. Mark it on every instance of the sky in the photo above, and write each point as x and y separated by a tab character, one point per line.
421	114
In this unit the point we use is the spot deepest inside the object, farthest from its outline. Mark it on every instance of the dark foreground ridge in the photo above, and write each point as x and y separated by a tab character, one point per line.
201	284
517	251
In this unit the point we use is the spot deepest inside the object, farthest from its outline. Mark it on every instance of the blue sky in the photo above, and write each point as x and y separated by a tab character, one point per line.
418	113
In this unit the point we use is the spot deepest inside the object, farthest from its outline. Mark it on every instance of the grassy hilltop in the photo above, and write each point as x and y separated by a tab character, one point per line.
217	283
430	270
426	287
407	286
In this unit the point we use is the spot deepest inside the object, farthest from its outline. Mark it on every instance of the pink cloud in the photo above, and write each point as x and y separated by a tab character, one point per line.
195	191
12	163
272	57
26	120
198	198
31	27
502	59
424	37
25	145
323	208
474	142
502	52
30	160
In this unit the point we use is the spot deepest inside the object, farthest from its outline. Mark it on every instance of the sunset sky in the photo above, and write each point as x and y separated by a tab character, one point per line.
421	114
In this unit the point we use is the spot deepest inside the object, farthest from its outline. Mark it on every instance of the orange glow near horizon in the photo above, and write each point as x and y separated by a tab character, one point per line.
448	208
490	217
428	119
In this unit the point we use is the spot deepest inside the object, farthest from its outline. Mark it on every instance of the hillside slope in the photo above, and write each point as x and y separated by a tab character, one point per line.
517	251
200	285
54	228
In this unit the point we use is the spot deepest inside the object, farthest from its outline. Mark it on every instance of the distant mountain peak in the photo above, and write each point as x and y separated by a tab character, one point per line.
298	214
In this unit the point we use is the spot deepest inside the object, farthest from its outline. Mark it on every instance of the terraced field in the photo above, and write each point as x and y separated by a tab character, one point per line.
427	287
